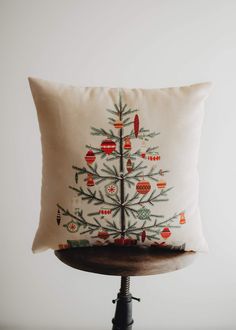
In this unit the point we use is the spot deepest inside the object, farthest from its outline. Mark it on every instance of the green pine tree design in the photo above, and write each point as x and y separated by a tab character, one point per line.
129	217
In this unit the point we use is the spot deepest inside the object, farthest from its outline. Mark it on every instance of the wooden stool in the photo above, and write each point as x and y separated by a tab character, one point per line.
125	262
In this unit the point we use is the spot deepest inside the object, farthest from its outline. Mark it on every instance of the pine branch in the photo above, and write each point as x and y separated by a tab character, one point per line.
80	219
97	151
90	197
92	227
96	175
151	199
149	150
151	174
143	134
153	228
102	132
129	112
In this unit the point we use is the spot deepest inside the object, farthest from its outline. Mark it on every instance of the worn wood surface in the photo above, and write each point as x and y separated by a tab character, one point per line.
125	261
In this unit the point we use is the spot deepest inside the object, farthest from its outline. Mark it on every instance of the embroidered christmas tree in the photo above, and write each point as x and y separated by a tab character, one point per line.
123	183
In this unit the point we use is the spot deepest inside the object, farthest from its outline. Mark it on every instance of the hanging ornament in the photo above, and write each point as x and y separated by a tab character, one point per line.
182	219
111	189
118	124
143	213
127	144
161	184
143	187
154	156
143	235
130	241
103	234
136	125
105	210
108	146
119	241
143	149
90	181
165	233
58	217
72	226
129	166
90	157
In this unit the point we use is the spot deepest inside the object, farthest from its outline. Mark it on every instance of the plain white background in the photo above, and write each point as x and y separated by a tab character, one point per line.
116	43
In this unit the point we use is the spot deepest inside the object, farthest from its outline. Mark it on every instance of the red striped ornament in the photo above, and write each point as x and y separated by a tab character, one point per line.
165	233
154	156
103	234
90	157
129	166
118	124
105	211
108	146
127	144
143	187
182	219
136	125
143	235
161	184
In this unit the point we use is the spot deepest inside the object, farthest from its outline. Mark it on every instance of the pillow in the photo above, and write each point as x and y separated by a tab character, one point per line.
119	166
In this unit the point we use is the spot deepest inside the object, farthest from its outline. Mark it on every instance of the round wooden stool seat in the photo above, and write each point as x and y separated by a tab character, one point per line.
125	261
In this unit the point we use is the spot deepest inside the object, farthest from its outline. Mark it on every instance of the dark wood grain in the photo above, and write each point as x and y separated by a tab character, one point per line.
125	261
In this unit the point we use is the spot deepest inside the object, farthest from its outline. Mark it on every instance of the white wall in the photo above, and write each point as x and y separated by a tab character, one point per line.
142	43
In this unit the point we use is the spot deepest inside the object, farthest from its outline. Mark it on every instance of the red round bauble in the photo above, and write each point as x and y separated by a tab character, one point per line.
165	233
103	234
108	146
143	187
90	157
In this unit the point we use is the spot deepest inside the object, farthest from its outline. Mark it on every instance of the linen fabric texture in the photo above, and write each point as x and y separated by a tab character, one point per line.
119	166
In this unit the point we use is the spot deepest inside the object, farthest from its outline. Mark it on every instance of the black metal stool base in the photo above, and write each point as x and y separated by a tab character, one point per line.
123	314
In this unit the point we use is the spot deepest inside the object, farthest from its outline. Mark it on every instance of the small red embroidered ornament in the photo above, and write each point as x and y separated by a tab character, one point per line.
165	233
90	157
161	184
90	181
143	187
127	144
108	146
182	219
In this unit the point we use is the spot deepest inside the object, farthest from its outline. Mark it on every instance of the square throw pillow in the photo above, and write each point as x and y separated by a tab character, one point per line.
119	166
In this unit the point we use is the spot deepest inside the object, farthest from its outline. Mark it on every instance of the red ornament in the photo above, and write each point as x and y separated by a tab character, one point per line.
90	157
165	233
143	187
182	219
105	211
136	125
154	156
161	184
130	241
118	124
108	146
119	241
127	144
129	166
103	234
143	236
90	181
125	241
111	189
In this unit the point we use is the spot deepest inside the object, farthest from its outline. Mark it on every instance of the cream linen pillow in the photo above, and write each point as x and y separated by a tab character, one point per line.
119	166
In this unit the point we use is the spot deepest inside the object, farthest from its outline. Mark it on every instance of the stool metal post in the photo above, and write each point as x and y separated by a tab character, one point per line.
123	314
